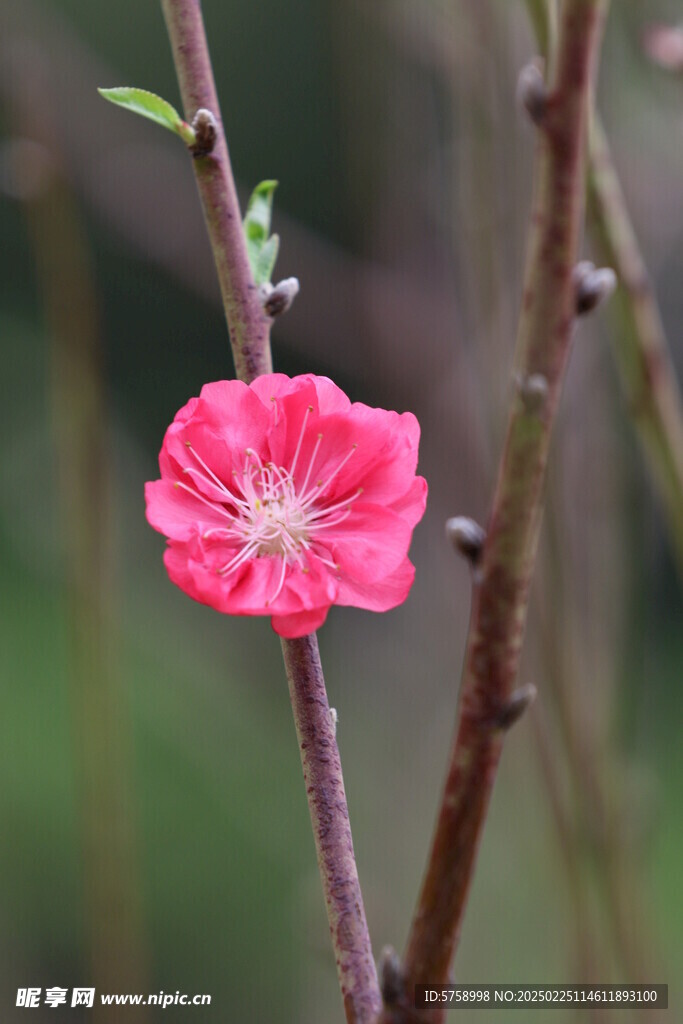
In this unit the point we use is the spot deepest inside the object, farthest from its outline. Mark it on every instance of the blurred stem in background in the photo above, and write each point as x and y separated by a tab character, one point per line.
113	915
611	927
249	329
639	340
588	962
640	345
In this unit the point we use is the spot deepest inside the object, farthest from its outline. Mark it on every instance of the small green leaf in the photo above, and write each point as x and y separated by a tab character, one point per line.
261	248
259	211
149	105
265	261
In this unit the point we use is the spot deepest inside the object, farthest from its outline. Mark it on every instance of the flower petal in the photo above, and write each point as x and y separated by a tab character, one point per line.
330	397
365	448
257	587
235	413
177	514
177	567
378	596
370	544
301	624
411	506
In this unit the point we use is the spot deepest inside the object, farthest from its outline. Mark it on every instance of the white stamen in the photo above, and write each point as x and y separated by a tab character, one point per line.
309	410
221	486
310	465
200	497
332	508
323	486
280	584
268	514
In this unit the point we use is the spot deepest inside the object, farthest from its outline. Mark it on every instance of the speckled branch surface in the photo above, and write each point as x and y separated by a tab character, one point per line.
327	801
248	324
500	594
250	338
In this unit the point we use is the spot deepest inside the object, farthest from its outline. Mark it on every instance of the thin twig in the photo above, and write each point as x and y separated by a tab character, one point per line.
640	345
501	594
649	382
315	729
543	17
250	337
639	339
595	838
588	953
248	324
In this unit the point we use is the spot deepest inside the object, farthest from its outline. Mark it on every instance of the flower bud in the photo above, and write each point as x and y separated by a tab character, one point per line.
390	973
278	298
205	129
518	703
467	537
592	286
533	390
532	92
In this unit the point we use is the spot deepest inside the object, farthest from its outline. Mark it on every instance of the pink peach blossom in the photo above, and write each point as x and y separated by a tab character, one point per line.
283	498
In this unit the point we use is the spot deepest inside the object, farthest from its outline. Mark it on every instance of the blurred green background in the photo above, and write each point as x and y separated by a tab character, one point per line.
154	832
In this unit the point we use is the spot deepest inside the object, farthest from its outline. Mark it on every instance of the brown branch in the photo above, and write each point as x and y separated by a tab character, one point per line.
248	324
315	729
250	337
649	383
501	593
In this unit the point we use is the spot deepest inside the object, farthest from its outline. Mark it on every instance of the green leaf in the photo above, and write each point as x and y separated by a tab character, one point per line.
261	248
265	261
151	106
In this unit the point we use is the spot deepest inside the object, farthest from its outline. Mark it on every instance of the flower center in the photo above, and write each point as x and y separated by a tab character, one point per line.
266	514
274	519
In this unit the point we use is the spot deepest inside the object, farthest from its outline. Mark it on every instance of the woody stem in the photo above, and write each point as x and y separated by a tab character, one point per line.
315	730
500	596
249	329
248	324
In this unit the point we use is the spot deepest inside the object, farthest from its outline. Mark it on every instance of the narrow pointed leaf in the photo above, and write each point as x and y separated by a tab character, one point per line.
265	261
151	106
261	248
